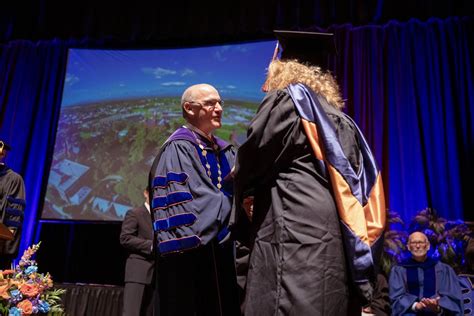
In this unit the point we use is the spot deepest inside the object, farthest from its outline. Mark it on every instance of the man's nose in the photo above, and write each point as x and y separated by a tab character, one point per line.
218	107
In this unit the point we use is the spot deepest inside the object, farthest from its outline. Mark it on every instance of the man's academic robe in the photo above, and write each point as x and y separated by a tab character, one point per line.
442	282
195	271
12	207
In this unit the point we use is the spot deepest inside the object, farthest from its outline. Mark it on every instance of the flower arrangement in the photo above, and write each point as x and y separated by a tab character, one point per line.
24	291
395	239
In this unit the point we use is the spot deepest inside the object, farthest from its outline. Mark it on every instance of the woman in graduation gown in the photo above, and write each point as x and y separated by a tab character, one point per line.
301	161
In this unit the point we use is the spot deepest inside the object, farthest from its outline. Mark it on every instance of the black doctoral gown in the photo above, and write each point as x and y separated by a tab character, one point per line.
297	260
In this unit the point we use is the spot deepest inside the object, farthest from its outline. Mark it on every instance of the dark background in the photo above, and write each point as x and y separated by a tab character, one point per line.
186	23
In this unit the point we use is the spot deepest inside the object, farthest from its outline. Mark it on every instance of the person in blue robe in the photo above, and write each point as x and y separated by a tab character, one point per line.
467	279
12	208
191	199
422	285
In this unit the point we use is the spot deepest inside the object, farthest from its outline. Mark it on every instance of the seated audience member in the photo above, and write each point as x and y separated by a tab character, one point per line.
467	280
422	285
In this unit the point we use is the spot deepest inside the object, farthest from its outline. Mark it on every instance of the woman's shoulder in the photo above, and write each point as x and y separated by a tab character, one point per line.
277	94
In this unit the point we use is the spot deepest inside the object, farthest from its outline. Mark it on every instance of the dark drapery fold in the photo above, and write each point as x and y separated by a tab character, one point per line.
31	81
410	88
92	299
178	23
430	99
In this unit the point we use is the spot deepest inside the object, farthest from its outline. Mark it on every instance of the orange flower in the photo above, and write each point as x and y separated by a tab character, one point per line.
8	272
29	290
14	282
26	307
4	291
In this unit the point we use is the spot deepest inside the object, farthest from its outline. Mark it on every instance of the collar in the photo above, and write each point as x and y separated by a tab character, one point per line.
411	263
186	133
3	169
209	136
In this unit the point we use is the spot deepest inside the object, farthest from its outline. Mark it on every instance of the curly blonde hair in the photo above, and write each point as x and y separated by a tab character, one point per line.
283	73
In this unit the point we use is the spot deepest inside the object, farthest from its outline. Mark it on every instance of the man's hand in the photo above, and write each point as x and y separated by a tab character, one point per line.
431	304
248	206
366	291
230	175
419	306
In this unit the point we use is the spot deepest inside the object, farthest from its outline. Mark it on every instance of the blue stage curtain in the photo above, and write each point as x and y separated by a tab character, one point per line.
410	88
431	104
31	81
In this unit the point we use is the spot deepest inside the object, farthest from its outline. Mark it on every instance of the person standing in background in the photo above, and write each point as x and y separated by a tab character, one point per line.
137	237
12	208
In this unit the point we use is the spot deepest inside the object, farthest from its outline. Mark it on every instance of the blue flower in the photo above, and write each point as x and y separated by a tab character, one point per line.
16	295
43	306
31	269
14	312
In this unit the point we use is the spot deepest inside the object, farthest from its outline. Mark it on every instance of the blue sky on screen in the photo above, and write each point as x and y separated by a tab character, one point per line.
237	71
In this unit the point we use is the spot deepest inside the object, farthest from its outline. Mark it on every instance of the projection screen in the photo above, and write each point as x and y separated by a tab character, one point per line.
119	106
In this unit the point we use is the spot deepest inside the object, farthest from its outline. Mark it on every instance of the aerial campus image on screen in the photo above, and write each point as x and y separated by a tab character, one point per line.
118	107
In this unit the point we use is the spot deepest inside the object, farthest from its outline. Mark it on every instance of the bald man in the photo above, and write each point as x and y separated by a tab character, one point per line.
422	285
191	203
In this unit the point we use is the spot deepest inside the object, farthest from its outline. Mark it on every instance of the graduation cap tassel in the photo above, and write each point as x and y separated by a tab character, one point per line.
275	56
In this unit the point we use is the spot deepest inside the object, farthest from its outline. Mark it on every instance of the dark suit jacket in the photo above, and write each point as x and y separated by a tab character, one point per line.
137	237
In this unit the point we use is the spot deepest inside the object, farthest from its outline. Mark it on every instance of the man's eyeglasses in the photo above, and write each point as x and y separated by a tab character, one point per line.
417	243
209	104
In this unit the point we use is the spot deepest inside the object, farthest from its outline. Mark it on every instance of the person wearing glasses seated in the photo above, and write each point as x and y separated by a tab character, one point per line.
191	198
422	285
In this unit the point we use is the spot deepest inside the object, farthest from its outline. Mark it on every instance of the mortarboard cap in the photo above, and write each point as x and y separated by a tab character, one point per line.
4	146
311	48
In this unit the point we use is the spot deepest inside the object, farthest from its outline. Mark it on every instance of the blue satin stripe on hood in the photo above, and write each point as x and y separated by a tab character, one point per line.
358	194
308	106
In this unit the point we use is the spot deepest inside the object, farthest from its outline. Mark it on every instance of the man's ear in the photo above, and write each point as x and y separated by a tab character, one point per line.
187	107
